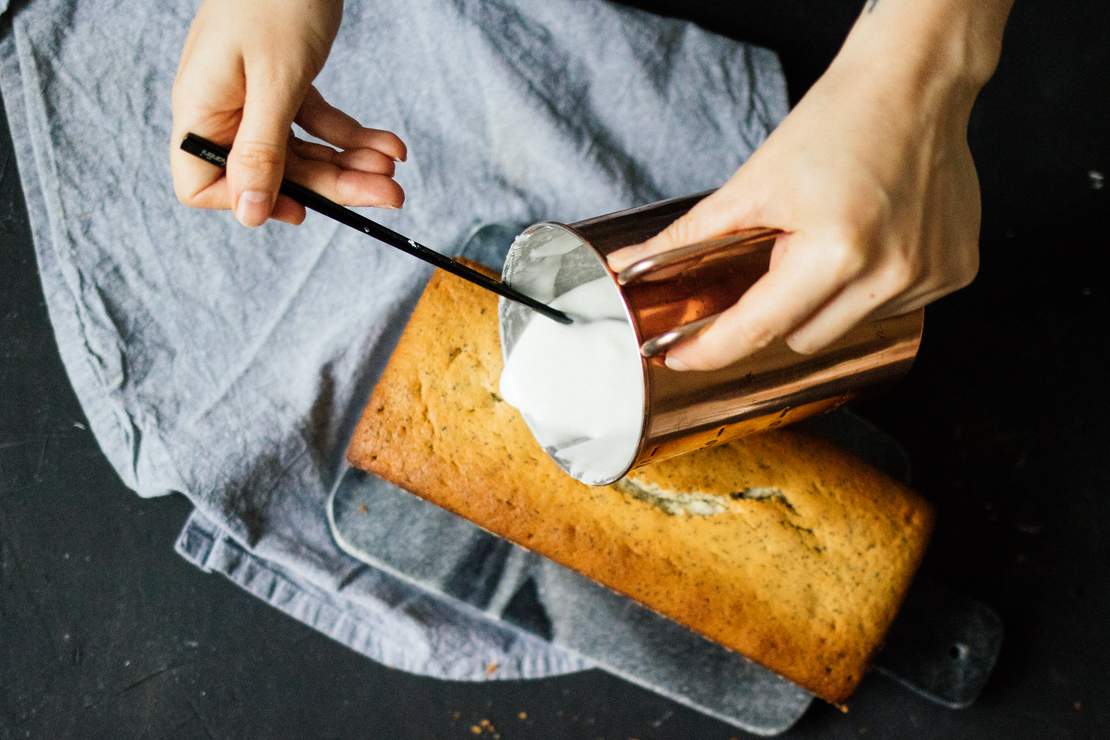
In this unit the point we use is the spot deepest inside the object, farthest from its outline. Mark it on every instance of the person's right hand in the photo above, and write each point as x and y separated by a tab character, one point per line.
245	76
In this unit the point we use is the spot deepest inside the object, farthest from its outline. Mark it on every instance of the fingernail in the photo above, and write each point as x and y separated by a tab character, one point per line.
675	364
253	208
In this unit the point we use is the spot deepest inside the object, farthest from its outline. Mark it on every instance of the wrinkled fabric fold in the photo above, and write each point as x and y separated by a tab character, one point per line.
229	365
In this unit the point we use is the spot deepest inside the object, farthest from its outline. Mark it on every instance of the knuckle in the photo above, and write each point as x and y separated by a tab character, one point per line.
843	236
901	274
288	74
754	334
852	262
846	254
258	156
185	196
681	232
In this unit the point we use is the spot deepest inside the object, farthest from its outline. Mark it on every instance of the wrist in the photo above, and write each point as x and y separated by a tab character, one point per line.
948	47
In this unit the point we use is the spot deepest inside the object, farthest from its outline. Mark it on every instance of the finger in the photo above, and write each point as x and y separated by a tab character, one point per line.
932	281
910	302
367	160
884	293
285	208
772	308
853	305
324	121
719	213
311	150
197	183
288	210
349	187
953	277
257	160
212	186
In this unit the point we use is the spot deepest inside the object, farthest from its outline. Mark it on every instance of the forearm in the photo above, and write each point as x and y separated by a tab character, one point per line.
952	43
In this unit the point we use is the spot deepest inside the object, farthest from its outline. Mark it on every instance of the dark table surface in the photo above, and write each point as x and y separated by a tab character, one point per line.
105	632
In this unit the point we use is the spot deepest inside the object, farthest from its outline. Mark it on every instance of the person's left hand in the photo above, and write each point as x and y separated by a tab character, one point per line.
872	179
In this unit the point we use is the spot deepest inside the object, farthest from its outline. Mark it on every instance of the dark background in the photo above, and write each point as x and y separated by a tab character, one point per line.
105	632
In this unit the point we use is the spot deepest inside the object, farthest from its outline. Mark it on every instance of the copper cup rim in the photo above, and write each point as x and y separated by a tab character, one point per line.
645	375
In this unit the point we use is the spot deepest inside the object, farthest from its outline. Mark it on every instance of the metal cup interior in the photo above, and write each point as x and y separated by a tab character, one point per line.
544	262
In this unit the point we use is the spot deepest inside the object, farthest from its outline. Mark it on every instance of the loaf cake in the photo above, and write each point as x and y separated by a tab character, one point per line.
778	546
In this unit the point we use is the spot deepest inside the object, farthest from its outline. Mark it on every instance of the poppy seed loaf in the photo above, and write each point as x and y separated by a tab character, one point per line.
779	546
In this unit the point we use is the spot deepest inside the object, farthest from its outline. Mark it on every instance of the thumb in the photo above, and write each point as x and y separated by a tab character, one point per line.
257	161
719	213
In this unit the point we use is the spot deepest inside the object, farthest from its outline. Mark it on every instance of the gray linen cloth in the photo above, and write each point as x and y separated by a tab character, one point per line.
229	365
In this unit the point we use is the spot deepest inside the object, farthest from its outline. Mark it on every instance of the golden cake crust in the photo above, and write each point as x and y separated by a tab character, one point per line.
779	546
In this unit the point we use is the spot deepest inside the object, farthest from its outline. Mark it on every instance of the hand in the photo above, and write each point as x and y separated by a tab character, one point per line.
245	76
872	179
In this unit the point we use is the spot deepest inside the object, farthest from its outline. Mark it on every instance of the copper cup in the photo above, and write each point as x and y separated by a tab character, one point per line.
672	296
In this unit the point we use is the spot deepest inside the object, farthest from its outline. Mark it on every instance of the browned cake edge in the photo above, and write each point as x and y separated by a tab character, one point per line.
834	688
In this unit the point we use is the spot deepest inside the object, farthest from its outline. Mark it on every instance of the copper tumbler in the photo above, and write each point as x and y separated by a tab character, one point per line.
671	296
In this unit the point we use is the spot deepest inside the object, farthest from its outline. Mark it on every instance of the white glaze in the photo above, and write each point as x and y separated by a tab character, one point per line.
580	386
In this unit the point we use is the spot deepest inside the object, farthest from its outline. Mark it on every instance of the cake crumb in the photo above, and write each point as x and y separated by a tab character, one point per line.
522	715
491	668
362	508
486	724
475	730
456	714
